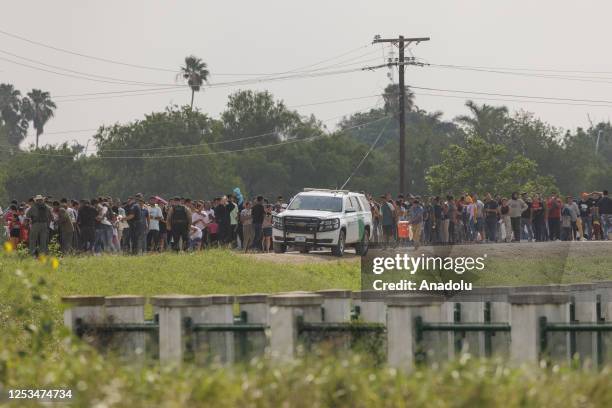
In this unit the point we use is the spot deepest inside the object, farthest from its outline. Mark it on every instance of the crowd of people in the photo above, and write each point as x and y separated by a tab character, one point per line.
136	226
139	225
469	219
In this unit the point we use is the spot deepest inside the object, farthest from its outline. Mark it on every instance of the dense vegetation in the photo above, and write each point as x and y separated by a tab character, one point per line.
37	352
260	145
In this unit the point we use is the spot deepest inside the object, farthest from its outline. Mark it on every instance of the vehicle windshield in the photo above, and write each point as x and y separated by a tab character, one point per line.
320	203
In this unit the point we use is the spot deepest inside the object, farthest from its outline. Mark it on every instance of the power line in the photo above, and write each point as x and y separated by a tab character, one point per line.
208	153
331	101
526	74
567	71
365	156
73	71
110	61
509	95
513	100
218	141
132	65
211	85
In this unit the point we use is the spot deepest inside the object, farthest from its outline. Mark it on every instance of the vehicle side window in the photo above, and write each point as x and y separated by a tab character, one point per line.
348	204
364	203
356	204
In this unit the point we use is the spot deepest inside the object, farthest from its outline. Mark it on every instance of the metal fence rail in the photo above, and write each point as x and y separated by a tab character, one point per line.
458	327
572	328
240	327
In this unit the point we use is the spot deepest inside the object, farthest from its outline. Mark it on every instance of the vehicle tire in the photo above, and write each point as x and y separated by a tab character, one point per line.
338	250
304	250
279	248
361	248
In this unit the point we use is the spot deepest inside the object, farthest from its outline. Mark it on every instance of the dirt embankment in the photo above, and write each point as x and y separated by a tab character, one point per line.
523	250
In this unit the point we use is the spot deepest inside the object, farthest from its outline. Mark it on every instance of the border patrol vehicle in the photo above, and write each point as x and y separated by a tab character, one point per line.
318	218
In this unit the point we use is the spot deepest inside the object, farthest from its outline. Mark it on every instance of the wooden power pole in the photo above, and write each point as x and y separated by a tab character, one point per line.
401	43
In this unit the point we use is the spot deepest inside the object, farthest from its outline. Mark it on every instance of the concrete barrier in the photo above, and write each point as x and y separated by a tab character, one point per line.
89	309
525	313
284	312
172	309
127	309
372	306
402	345
336	305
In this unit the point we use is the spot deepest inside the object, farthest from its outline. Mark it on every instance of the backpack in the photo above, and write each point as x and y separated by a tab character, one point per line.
179	216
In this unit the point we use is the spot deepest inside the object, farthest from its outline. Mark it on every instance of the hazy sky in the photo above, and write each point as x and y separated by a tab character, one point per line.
245	37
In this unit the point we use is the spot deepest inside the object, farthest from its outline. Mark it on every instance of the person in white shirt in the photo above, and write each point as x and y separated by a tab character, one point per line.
195	238
155	215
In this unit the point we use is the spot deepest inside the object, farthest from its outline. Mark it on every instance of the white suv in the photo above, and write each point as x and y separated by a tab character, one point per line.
324	218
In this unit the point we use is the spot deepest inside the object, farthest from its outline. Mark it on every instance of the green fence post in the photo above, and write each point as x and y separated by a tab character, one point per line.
543	323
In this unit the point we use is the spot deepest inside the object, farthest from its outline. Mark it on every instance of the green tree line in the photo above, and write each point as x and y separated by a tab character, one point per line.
263	147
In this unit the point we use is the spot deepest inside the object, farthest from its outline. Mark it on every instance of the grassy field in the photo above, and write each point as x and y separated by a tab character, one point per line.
223	271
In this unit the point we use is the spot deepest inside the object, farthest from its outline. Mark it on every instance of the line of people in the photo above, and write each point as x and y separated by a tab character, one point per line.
136	226
468	219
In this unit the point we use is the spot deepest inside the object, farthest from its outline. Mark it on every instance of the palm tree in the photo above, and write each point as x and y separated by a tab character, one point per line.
11	113
39	108
195	72
485	121
391	98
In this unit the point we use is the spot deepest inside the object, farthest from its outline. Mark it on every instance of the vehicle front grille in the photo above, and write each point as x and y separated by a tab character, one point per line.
301	224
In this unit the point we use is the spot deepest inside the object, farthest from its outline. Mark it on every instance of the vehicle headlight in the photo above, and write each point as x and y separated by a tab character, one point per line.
277	222
329	225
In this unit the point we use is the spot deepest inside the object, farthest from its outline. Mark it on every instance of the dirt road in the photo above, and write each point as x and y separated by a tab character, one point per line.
524	250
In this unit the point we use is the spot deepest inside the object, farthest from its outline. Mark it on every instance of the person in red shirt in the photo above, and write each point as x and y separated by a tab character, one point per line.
14	225
554	206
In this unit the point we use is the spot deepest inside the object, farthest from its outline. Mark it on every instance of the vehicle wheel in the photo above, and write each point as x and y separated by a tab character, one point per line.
279	248
338	250
361	248
304	250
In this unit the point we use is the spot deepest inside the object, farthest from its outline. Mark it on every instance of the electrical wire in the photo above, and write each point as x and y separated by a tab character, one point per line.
599	80
208	153
112	61
365	156
332	101
514	100
510	95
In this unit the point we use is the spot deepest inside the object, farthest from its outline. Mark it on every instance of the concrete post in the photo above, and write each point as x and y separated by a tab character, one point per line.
603	289
90	309
584	299
127	309
526	310
284	311
481	305
336	305
256	307
372	305
219	309
171	310
401	336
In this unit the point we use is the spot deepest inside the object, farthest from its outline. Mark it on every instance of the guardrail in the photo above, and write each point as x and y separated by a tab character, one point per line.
403	329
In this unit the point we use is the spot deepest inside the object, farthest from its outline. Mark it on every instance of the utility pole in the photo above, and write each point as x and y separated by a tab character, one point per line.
401	44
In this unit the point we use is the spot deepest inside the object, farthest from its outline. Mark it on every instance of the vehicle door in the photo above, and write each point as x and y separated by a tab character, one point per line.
351	217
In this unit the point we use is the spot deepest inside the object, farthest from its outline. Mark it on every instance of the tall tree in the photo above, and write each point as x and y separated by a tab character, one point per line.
11	113
486	121
391	98
195	72
39	108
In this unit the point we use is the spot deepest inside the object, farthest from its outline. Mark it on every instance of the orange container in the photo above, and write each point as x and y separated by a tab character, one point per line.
403	229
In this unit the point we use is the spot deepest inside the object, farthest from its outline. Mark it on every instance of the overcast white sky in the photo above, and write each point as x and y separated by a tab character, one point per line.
275	36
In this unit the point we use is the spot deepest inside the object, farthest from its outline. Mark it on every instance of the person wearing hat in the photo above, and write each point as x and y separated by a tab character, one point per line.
39	215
